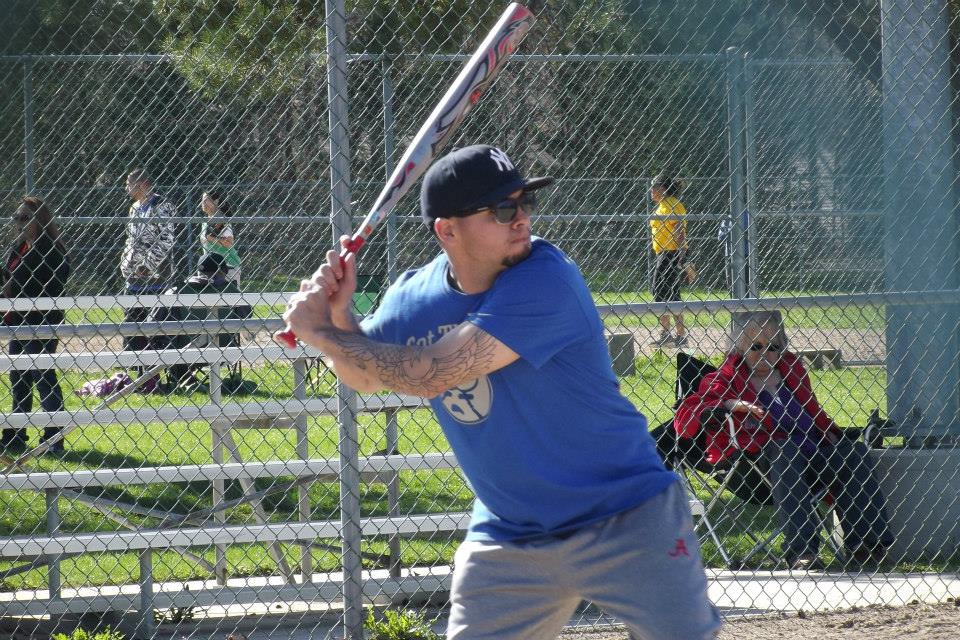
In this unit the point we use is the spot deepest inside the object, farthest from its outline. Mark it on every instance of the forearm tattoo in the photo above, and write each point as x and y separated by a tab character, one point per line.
410	369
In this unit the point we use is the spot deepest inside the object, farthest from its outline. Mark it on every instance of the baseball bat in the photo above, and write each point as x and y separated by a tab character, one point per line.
457	102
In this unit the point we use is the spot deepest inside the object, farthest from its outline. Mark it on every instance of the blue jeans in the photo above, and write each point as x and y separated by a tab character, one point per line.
843	467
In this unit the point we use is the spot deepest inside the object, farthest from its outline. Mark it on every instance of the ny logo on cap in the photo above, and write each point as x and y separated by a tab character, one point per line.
503	162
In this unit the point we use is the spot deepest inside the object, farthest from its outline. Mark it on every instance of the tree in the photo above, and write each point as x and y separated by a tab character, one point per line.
257	45
77	26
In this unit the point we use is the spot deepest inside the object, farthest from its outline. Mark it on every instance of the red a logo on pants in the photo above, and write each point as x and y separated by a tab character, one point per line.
679	550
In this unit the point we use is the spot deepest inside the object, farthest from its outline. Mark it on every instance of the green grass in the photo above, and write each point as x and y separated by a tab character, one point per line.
180	442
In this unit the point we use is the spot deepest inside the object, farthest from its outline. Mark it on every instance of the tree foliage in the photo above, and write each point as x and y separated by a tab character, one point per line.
77	26
257	45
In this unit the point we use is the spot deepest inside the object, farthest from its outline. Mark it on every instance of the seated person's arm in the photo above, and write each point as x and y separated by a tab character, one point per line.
742	406
704	409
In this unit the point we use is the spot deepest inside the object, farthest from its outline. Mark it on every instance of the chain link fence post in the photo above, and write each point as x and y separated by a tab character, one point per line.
340	203
28	151
737	156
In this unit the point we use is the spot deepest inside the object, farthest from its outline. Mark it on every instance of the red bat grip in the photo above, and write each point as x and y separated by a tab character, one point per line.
353	246
285	336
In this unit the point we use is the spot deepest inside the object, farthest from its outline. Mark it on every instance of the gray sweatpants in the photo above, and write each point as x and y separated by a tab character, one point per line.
641	566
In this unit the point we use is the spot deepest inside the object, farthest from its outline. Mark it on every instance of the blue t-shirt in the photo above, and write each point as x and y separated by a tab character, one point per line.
548	443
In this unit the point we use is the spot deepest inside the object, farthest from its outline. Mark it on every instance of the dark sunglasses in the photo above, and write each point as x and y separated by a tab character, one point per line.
756	346
506	211
21	218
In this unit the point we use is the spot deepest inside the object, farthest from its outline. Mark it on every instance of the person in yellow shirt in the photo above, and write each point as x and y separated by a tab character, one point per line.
669	236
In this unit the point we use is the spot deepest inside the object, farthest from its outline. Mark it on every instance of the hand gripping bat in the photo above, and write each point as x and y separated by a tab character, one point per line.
460	98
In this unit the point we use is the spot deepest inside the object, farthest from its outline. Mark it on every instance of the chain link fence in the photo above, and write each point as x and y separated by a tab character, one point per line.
206	481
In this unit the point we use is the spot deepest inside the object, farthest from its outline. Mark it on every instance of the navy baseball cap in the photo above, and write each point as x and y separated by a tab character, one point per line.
468	179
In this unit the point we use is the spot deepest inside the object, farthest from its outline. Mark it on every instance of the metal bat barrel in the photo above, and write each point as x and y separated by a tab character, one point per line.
478	73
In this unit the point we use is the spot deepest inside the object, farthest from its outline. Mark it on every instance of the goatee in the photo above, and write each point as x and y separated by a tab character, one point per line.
517	258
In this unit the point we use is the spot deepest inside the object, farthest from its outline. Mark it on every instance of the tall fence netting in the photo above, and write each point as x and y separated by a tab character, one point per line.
169	466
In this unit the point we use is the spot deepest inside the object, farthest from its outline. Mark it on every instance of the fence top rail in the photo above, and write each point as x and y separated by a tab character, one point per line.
456	57
378	57
40	481
890	298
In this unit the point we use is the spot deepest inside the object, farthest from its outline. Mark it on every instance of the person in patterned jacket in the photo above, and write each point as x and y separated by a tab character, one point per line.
145	263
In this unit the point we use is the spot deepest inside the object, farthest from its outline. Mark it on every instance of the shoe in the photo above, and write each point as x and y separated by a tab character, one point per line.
866	556
55	449
681	341
17	444
664	339
805	562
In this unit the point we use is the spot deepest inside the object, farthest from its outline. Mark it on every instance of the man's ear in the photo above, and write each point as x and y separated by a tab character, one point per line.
444	229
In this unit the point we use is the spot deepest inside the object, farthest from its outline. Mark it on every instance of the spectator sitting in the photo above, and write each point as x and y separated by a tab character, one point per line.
777	418
211	277
218	237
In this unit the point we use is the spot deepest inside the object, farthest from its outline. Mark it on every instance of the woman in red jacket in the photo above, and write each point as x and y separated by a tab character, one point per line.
777	418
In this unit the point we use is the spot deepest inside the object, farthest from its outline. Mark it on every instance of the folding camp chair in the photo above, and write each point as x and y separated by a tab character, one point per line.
686	457
743	475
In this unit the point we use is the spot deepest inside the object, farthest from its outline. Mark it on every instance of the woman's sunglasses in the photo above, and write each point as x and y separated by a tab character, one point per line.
773	347
506	211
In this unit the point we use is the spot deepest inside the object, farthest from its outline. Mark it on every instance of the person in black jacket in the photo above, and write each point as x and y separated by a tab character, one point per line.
36	267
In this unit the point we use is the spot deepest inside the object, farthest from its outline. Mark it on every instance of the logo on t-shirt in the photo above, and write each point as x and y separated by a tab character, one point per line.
469	403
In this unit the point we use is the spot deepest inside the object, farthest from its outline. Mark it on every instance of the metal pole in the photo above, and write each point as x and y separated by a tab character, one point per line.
393	494
303	451
349	449
147	626
51	497
923	351
648	233
219	432
737	161
28	158
346	415
389	144
753	220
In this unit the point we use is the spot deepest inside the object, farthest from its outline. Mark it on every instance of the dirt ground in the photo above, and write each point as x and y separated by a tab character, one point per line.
910	622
